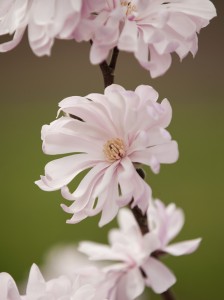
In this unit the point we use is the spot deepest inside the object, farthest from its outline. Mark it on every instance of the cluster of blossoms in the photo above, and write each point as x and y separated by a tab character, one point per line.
110	136
150	29
135	262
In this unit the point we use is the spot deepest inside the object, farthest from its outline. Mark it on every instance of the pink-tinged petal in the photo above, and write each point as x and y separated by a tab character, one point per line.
61	171
126	219
8	288
110	207
142	194
183	248
36	284
165	153
134	283
86	292
77	217
146	92
151	242
158	64
182	25
98	54
159	277
176	220
40	15
85	191
166	119
64	136
4	47
200	8
97	171
92	112
96	251
128	38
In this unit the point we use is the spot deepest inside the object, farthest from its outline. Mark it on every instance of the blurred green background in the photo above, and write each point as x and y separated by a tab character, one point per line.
31	221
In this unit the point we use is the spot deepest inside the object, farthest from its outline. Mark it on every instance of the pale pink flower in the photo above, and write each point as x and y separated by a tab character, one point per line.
63	287
134	267
46	20
166	223
151	29
119	130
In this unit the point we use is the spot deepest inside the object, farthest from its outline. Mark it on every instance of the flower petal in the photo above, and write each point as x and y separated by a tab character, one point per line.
159	277
183	248
8	288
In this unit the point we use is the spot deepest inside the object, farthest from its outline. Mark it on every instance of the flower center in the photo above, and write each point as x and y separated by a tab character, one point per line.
114	149
128	7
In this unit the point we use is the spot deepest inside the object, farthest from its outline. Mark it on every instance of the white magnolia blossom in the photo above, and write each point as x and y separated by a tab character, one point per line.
46	20
117	131
61	288
151	29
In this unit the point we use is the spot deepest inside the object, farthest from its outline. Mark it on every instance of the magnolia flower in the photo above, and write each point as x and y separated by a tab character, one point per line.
60	288
111	135
134	266
150	28
45	21
166	223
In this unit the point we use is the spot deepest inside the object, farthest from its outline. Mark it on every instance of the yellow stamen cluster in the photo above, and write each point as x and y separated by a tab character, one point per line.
130	7
114	149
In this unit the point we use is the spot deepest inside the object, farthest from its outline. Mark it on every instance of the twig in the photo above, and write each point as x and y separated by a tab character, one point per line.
168	295
108	69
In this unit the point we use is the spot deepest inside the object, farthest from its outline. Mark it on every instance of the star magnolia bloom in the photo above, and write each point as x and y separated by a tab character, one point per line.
117	131
134	267
45	21
166	223
37	288
150	28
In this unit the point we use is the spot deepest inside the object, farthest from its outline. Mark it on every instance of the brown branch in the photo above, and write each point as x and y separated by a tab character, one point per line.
168	295
108	69
114	57
142	221
139	216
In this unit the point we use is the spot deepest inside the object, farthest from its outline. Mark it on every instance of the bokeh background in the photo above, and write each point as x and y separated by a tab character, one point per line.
31	221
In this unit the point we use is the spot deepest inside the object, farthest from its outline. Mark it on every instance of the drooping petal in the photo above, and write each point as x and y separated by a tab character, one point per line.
133	283
159	277
61	171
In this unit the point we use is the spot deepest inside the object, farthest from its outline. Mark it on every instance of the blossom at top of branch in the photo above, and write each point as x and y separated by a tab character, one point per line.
136	263
151	29
46	20
110	134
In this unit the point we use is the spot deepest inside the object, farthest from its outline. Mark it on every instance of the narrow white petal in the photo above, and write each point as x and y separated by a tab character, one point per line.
183	248
159	277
